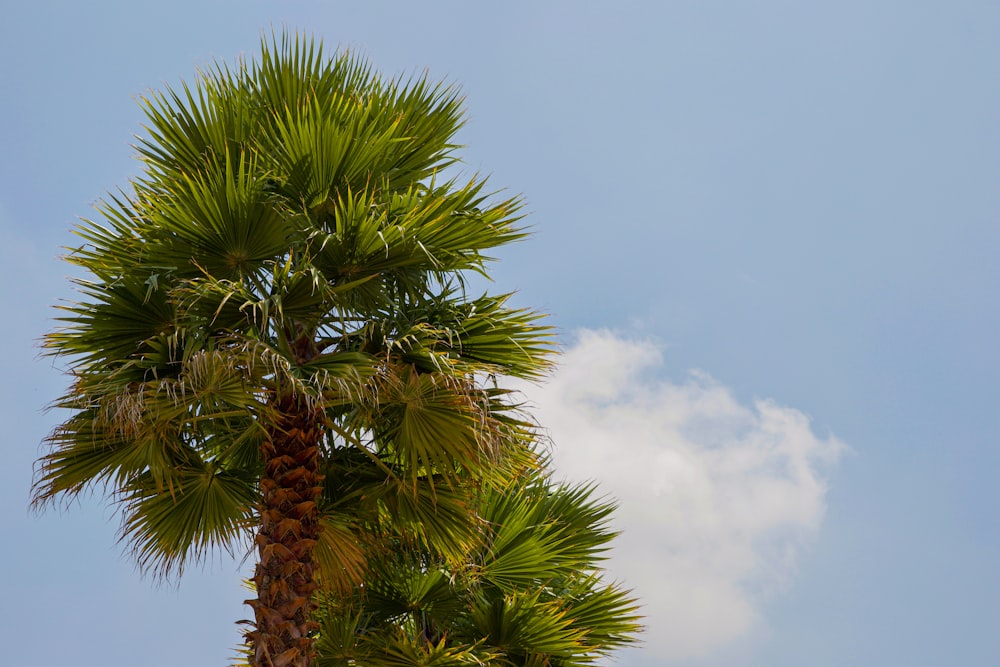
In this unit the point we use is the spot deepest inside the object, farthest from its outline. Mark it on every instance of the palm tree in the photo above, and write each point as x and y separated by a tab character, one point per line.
527	594
274	336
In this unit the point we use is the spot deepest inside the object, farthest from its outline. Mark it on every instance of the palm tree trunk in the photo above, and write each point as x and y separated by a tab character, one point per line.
289	527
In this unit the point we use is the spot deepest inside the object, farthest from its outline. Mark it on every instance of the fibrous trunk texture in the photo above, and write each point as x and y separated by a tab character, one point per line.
289	527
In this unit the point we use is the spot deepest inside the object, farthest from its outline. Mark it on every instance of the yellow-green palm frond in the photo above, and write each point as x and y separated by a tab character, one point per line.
529	590
402	650
195	510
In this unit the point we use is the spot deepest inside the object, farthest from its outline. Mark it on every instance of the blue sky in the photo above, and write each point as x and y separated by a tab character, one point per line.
766	231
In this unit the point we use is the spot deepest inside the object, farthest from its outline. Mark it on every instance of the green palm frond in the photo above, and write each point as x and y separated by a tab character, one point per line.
114	325
496	602
321	149
200	509
607	614
190	130
221	222
415	410
341	553
481	335
525	625
402	587
112	247
429	516
338	645
87	453
402	650
540	532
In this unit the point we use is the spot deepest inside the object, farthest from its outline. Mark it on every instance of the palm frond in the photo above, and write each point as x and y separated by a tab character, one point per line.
607	614
402	650
340	554
202	508
525	625
222	222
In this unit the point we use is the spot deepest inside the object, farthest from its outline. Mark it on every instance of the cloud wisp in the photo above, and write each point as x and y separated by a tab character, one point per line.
717	498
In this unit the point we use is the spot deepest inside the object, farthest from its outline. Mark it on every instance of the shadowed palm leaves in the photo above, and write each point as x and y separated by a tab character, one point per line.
272	346
528	593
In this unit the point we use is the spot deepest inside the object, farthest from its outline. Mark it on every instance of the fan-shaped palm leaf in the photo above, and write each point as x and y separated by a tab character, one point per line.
529	590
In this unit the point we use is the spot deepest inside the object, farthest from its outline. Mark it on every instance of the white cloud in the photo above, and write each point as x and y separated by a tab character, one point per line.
717	497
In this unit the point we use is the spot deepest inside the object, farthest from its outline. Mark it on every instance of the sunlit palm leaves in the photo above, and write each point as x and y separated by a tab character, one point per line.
529	591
